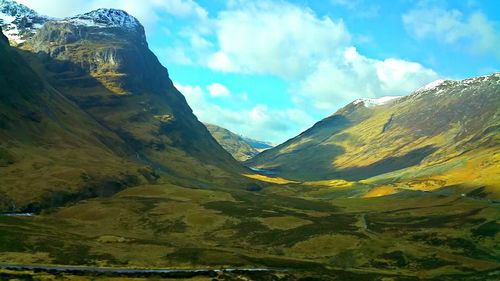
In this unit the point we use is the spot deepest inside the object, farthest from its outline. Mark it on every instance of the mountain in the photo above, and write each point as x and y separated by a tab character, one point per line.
257	144
43	156
93	74
101	60
239	148
436	136
19	22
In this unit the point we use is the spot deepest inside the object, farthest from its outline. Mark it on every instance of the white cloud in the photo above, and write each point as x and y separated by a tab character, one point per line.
218	90
221	62
476	31
313	54
255	121
274	37
400	77
181	8
333	84
174	55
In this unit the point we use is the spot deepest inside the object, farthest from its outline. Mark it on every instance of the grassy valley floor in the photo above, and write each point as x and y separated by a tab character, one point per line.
307	229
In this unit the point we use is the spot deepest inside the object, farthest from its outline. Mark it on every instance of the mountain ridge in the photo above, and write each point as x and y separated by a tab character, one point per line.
236	145
443	122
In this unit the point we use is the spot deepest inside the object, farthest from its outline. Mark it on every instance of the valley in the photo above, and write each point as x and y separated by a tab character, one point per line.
107	174
166	226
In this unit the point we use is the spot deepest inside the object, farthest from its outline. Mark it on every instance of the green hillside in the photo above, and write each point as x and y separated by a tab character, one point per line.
88	115
43	155
232	143
428	139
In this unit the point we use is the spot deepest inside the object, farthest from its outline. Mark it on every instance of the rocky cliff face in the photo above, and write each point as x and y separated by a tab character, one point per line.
108	44
19	22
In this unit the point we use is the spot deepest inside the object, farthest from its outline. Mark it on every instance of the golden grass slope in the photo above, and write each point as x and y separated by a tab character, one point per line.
433	138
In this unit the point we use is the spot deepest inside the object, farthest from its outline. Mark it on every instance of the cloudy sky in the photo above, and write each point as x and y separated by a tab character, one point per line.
269	69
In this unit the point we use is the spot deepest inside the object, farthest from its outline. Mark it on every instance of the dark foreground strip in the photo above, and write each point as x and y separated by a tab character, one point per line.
135	272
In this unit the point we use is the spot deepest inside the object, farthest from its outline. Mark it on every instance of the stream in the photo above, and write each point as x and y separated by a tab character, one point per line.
132	271
17	214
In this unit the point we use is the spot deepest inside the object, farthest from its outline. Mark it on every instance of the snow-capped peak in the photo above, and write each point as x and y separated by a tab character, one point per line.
18	21
105	18
14	9
481	78
440	87
369	102
431	86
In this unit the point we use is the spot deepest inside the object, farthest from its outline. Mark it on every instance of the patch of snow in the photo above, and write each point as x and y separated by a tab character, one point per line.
434	87
18	21
104	18
9	29
6	18
369	102
439	87
13	35
481	78
431	86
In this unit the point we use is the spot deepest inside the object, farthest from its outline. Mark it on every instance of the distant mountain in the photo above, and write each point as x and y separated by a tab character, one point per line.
259	145
442	132
89	104
239	148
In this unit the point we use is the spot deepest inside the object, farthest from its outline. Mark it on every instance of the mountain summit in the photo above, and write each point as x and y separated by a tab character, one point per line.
19	22
105	18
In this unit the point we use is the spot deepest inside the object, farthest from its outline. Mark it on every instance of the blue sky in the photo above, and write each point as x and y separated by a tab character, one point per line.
269	69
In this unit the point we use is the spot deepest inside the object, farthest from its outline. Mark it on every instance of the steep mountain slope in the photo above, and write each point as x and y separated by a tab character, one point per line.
101	60
445	126
232	143
44	157
88	110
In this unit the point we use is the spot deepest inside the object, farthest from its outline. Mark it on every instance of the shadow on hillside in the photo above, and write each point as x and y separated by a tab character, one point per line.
62	77
387	165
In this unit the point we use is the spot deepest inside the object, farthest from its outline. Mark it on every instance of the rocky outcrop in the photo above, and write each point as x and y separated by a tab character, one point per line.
2	36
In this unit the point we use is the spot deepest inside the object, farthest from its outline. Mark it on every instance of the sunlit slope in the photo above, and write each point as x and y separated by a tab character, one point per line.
42	152
232	143
449	130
